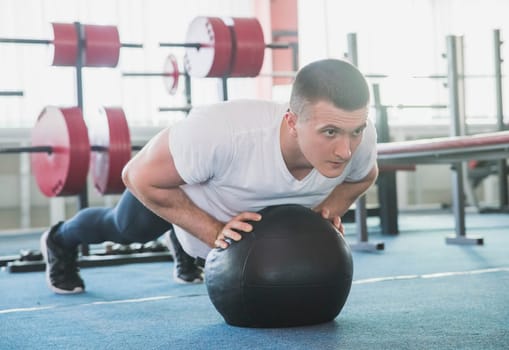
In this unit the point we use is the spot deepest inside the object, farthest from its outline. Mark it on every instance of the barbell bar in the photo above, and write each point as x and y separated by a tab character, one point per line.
171	75
185	109
63	150
293	74
403	106
466	76
11	93
95	45
51	149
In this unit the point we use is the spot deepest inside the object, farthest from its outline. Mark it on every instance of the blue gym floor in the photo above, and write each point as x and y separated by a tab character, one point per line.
419	293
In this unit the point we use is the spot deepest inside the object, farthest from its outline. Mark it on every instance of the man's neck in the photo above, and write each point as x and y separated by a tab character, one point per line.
292	156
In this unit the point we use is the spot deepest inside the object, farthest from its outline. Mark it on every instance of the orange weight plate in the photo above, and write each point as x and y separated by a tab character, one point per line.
212	58
111	132
65	44
248	46
102	46
64	171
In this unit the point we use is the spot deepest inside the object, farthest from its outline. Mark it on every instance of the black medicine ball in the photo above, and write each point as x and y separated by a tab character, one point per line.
293	269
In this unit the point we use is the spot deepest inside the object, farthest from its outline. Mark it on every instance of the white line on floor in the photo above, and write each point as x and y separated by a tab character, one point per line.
140	300
26	309
430	275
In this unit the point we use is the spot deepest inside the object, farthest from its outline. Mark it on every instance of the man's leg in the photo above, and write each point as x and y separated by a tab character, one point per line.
129	221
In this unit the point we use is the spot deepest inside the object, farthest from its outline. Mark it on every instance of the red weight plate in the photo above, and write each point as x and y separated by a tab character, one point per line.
110	131
248	46
64	171
213	57
65	44
102	46
171	74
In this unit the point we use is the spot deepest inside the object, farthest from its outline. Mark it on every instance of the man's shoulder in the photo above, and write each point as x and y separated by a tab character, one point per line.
242	113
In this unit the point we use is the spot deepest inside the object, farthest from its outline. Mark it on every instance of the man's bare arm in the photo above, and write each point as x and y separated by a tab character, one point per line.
344	195
152	178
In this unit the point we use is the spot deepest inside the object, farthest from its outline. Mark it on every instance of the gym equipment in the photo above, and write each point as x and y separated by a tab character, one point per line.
209	46
31	261
403	106
170	74
361	210
225	47
503	170
171	80
249	46
455	150
76	45
11	93
61	133
81	44
446	150
111	132
293	269
185	109
61	151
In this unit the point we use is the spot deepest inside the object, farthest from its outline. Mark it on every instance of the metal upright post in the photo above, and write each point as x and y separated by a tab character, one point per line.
187	78
502	165
352	48
455	83
223	88
387	193
83	195
360	204
295	56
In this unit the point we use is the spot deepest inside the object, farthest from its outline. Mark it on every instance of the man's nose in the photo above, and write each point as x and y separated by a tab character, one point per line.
342	148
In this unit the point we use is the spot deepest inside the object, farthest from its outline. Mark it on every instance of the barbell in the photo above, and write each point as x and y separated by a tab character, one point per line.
224	47
170	74
63	150
74	43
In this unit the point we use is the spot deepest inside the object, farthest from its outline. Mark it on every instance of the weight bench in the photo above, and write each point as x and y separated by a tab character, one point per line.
446	150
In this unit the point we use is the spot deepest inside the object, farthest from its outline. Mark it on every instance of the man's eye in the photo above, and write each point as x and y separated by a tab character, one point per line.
358	132
330	132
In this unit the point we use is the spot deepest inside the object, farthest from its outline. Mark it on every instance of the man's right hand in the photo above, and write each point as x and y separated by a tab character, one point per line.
229	232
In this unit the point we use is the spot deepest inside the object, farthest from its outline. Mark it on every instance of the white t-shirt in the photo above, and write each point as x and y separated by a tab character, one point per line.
229	155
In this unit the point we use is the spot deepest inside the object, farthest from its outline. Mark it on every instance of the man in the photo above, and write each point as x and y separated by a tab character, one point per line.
210	173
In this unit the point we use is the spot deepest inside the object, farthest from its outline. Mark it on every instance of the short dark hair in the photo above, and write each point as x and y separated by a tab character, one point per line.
332	80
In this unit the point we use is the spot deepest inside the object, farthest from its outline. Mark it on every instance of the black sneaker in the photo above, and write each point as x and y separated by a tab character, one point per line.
62	271
185	270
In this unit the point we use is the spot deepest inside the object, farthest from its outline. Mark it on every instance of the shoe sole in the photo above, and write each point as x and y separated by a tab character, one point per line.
44	251
179	280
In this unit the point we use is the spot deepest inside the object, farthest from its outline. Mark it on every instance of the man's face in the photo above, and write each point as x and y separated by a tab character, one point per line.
329	136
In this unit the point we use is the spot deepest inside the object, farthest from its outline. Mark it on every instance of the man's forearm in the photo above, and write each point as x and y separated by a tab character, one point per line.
176	207
345	194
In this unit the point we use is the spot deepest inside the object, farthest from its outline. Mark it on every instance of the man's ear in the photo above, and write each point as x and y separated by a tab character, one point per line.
291	121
